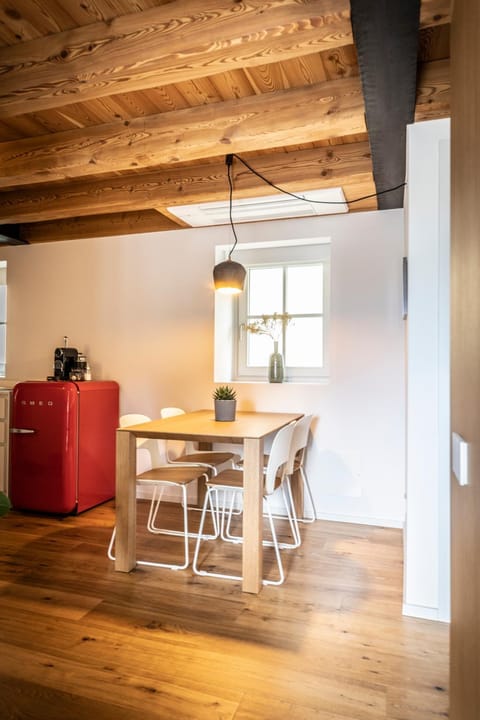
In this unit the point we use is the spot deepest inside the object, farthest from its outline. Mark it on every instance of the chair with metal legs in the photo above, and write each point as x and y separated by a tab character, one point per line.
189	454
229	482
297	462
158	477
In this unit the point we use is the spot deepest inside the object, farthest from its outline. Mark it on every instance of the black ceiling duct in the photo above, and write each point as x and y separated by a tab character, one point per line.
10	235
386	34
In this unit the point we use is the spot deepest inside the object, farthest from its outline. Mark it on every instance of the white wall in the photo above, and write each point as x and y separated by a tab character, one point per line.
141	308
427	537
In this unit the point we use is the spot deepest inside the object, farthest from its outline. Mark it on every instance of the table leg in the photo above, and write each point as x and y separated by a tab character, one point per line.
125	502
252	515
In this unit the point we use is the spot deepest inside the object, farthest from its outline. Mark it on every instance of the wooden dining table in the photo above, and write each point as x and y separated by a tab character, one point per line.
249	428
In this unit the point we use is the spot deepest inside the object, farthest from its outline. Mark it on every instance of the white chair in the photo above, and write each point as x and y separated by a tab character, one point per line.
187	453
158	477
297	461
231	482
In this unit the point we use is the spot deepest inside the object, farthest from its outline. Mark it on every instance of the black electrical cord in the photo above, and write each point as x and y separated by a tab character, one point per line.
229	161
299	197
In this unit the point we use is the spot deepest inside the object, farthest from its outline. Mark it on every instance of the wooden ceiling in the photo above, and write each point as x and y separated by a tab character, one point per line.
113	110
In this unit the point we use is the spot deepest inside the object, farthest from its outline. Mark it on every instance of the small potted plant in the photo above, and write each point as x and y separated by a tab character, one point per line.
225	399
4	504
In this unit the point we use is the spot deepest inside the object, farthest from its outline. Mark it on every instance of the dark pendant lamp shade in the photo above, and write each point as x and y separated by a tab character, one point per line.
229	276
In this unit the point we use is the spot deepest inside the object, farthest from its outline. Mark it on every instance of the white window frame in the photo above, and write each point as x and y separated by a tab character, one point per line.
227	320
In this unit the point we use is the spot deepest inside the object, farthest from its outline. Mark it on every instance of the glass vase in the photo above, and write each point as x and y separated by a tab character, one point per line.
275	365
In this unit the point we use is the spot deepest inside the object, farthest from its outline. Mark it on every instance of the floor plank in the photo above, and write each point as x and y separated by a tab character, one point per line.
79	640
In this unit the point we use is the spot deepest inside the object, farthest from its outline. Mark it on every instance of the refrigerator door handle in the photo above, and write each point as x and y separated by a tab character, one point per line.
22	431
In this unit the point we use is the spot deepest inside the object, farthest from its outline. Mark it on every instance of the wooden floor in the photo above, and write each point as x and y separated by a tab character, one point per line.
80	641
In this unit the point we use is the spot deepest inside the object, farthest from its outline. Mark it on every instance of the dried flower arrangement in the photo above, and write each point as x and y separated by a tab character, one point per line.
271	325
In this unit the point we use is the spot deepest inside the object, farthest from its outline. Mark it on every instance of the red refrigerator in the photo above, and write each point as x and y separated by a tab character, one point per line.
63	445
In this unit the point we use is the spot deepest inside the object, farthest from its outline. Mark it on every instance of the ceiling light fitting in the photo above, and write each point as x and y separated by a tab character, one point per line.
229	276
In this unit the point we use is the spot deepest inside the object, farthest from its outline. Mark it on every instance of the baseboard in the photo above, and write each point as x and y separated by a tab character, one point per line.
362	520
173	495
422	612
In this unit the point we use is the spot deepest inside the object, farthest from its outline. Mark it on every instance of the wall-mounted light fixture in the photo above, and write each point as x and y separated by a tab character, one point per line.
229	276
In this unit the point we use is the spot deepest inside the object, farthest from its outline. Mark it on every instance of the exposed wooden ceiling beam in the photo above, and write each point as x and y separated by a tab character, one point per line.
141	221
276	119
317	168
268	121
179	41
150	149
433	90
435	12
168	44
125	223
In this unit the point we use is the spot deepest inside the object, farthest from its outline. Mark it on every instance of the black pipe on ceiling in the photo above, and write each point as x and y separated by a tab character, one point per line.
386	36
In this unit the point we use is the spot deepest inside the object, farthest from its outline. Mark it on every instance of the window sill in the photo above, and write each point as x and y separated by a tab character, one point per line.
299	381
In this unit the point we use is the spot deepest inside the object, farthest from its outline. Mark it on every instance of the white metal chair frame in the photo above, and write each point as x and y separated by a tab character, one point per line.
297	464
158	479
201	457
286	490
232	481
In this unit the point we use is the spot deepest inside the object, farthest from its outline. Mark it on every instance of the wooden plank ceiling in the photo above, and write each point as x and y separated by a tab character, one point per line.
113	110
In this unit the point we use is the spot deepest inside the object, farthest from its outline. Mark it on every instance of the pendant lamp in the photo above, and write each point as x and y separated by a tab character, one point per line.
229	276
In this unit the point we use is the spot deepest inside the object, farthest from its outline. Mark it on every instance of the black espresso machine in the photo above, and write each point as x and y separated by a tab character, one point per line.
68	363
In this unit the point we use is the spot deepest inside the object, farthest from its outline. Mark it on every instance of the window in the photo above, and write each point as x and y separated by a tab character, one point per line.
288	287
